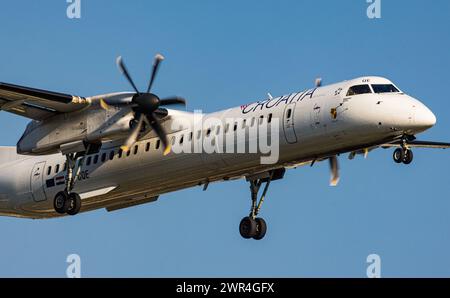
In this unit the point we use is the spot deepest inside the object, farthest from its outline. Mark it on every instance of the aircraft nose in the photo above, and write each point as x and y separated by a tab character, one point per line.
424	117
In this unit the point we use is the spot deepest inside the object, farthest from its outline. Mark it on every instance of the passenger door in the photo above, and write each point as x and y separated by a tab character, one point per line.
288	123
37	182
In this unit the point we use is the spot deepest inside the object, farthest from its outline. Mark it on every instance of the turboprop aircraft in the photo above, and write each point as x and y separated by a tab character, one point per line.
124	149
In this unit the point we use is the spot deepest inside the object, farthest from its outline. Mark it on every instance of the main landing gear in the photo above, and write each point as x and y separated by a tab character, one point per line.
252	226
403	154
68	202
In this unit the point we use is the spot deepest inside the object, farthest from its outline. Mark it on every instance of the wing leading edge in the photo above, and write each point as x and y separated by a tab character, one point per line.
38	104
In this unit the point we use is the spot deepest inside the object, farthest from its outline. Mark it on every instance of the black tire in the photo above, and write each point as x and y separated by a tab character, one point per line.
74	204
399	155
61	202
261	229
247	227
408	158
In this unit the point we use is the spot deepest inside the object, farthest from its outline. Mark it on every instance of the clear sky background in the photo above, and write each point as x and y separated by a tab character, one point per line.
221	54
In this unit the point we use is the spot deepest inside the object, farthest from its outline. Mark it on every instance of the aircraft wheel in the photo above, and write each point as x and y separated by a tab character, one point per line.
74	204
261	229
408	158
399	155
247	227
61	202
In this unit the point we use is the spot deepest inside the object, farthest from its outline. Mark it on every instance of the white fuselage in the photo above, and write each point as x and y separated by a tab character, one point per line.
313	125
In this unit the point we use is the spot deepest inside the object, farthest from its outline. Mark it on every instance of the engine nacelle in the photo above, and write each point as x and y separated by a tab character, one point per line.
68	133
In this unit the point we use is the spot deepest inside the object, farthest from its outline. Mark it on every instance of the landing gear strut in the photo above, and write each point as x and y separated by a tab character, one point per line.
403	154
252	226
68	202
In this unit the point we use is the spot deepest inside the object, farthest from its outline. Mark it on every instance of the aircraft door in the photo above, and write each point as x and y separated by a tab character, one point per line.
288	123
37	182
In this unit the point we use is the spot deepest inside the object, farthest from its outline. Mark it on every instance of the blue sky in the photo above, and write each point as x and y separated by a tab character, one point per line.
224	54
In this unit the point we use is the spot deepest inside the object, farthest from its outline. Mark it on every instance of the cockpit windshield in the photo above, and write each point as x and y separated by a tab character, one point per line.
384	88
358	89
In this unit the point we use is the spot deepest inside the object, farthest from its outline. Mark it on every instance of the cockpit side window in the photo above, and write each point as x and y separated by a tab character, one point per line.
358	89
384	88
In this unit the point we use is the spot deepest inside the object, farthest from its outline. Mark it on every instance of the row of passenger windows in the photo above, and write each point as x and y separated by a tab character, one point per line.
103	157
377	88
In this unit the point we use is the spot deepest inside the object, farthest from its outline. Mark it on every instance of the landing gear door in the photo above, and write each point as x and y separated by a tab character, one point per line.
37	182
288	123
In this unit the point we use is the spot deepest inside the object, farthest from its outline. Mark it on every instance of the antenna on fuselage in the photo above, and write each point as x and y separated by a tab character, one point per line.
270	95
318	82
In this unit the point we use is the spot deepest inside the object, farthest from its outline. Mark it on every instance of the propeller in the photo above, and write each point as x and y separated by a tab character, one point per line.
145	105
334	167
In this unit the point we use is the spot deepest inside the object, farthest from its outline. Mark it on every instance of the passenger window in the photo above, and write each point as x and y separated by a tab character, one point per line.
128	152
120	153
270	118
252	123
244	122
103	157
358	89
147	147
136	148
49	171
227	127
190	136
158	143
95	159
57	169
288	114
181	139
235	126
111	155
88	161
261	119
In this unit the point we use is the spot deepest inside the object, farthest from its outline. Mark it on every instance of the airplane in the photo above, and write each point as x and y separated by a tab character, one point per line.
117	150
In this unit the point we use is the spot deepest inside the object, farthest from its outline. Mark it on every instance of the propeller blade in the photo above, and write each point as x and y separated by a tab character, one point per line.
125	72
158	59
173	101
132	138
334	167
159	130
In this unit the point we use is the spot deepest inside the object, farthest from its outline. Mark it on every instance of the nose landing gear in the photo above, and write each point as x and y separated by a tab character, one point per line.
403	156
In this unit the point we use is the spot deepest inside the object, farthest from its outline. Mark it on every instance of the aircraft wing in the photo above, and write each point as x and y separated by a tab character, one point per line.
419	144
37	104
